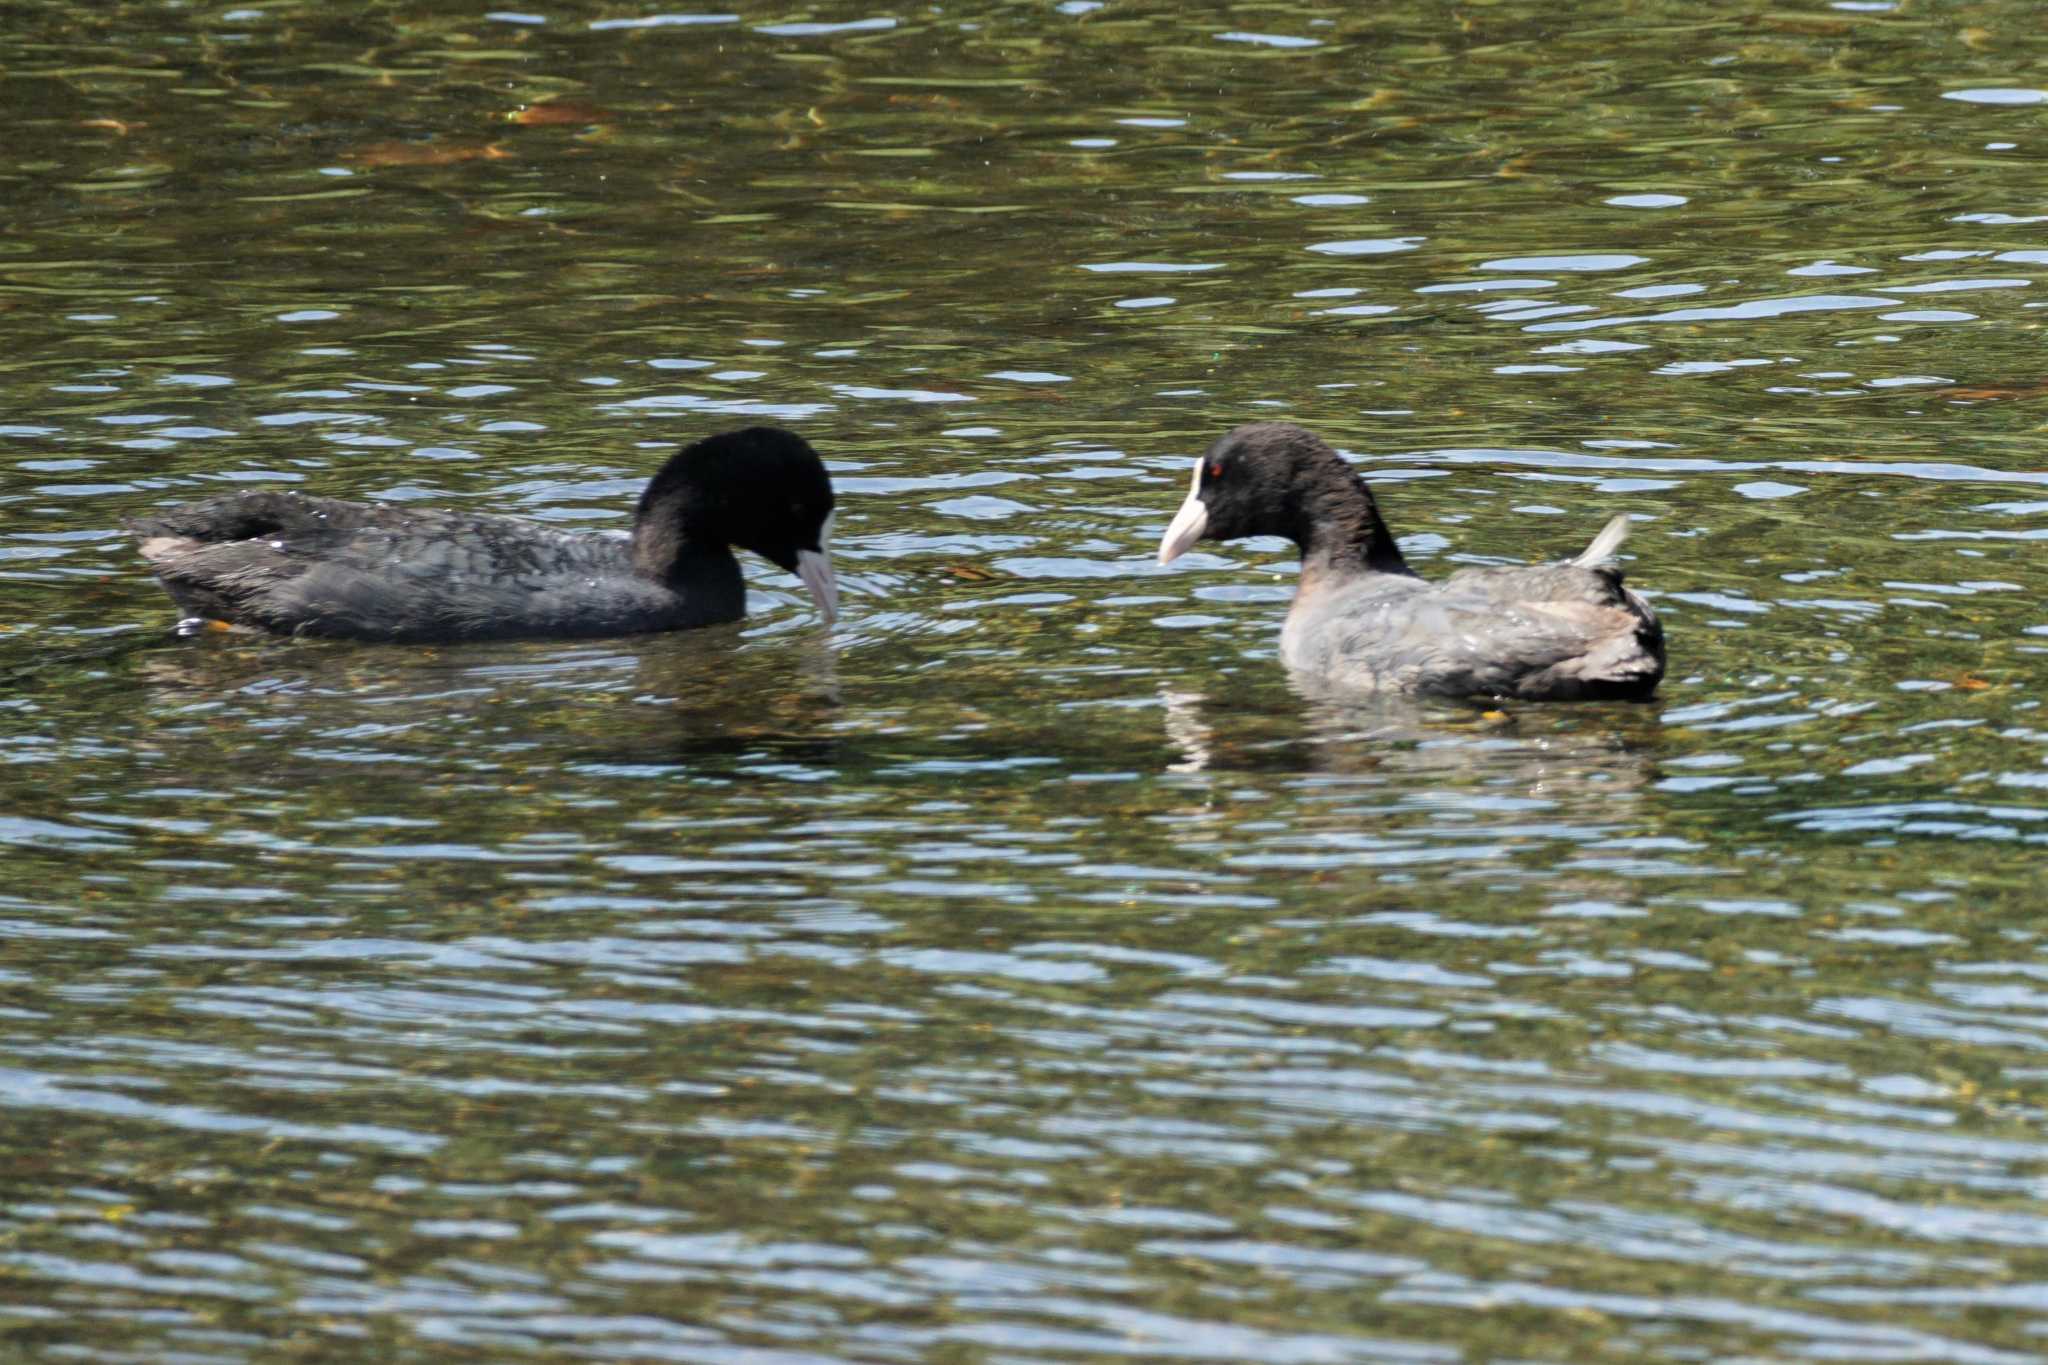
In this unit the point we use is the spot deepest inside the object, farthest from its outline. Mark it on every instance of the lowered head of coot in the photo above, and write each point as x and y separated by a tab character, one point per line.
761	488
1278	479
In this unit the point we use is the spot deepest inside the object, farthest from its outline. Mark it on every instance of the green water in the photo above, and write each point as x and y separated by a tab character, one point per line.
1021	971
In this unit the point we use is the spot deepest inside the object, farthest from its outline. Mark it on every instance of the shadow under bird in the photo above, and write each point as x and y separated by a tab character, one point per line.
1362	620
301	565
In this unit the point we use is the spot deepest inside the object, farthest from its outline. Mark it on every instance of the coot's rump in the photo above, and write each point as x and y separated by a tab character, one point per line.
295	564
1363	621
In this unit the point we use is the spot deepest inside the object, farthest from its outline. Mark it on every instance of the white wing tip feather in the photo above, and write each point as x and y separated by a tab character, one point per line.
156	549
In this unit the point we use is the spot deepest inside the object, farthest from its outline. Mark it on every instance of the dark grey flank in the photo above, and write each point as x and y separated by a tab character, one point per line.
300	565
1362	620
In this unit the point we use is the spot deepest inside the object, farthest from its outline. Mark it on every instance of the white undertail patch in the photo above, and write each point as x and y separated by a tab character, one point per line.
1606	543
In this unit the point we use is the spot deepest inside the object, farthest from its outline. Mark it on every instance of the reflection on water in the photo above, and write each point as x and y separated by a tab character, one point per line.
1021	970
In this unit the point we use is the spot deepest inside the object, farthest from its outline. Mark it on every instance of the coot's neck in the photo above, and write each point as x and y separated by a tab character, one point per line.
665	553
668	523
1338	527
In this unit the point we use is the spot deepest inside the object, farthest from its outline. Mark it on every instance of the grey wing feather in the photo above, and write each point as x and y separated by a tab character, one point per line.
1550	631
296	564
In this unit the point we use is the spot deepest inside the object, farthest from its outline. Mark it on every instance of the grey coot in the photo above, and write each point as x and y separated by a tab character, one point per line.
301	565
1363	621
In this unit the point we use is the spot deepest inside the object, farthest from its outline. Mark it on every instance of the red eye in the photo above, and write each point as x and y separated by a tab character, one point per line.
1215	470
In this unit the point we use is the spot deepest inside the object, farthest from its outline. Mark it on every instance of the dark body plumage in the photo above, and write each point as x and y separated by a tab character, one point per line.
1363	621
296	564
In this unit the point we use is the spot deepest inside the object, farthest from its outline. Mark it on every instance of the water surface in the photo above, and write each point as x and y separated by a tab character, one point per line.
1022	971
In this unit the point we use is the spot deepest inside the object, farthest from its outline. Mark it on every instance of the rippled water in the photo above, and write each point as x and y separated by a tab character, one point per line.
1022	972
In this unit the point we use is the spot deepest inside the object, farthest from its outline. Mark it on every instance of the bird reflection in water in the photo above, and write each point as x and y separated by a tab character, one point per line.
1549	753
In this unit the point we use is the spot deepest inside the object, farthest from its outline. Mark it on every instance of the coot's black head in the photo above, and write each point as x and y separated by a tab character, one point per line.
762	489
1278	479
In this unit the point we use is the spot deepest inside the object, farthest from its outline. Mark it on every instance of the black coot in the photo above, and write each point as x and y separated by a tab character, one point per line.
301	565
1363	621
